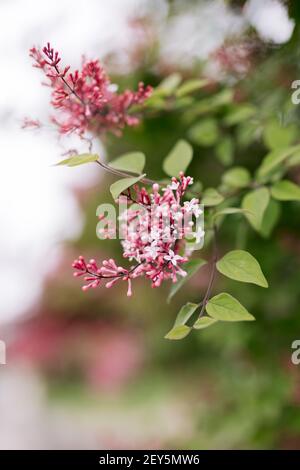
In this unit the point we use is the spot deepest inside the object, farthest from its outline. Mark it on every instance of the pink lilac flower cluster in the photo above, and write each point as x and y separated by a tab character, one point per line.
155	228
86	99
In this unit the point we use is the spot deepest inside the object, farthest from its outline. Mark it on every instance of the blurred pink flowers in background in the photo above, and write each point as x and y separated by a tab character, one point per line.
104	355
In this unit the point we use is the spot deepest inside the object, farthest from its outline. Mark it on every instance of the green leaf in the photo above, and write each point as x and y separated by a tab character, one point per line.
255	203
183	102
276	136
133	162
189	86
247	132
178	159
204	322
208	105
286	191
205	132
155	101
237	177
196	187
76	160
273	159
229	211
242	266
225	151
211	197
294	160
119	186
270	218
191	267
239	114
178	332
224	307
185	313
168	85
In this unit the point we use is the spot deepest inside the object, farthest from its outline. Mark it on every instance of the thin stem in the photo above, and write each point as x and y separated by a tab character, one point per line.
130	198
120	275
72	90
212	274
123	173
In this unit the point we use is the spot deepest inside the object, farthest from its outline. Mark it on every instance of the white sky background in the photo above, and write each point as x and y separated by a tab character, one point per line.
37	207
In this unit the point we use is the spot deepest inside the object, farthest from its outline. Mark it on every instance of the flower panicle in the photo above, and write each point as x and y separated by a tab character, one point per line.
156	249
85	99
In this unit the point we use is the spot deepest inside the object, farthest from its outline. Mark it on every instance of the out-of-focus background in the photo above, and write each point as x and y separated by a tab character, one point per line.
92	370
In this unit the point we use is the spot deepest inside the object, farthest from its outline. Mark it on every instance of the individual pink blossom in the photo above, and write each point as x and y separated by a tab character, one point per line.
193	206
173	258
154	237
86	99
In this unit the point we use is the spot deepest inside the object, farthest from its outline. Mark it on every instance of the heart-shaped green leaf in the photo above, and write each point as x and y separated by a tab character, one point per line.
204	132
178	159
204	322
81	159
180	329
225	151
119	186
168	85
270	218
189	86
237	177
228	211
211	197
255	204
239	114
185	313
178	332
273	159
277	136
242	266
286	191
224	307
133	162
